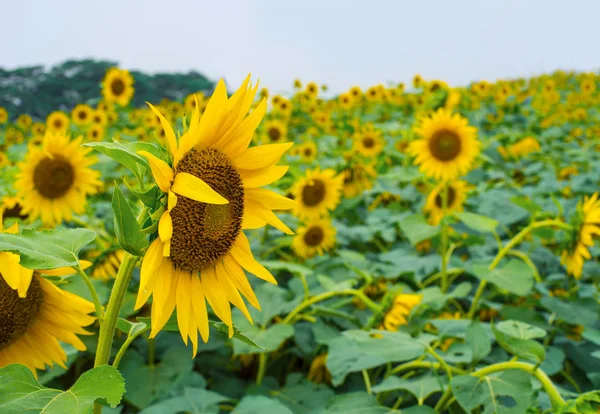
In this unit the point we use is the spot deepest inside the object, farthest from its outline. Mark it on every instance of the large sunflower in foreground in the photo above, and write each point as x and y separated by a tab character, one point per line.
457	194
55	179
447	146
212	192
317	193
117	86
35	315
587	226
315	237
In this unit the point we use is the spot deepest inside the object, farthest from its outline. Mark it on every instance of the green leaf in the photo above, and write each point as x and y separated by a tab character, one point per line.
435	299
121	154
508	392
416	228
571	312
257	404
21	393
520	330
588	403
522	348
196	401
131	328
479	340
303	396
477	222
273	265
127	227
148	197
515	277
48	249
421	387
526	204
264	340
355	403
356	350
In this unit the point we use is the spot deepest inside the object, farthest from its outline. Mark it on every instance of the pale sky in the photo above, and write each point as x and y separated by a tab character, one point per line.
340	43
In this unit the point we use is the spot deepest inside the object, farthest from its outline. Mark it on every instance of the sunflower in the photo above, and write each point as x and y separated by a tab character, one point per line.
355	92
345	100
457	194
82	114
99	117
276	131
317	193
318	372
308	151
58	122
38	129
587	226
375	93
3	115
357	178
24	122
117	86
368	141
418	81
190	102
315	237
447	146
10	207
95	133
212	192
312	89
400	310
106	265
54	180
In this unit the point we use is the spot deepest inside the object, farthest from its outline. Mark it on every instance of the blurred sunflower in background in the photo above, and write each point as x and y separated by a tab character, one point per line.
447	145
53	181
586	225
400	310
308	151
317	193
3	115
95	133
212	192
82	114
117	86
368	142
314	238
57	122
358	178
457	194
275	131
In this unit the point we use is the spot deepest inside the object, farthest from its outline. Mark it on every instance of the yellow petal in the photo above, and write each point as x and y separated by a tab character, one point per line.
192	187
269	199
215	296
184	305
65	271
165	227
263	213
262	156
162	173
10	269
169	133
150	266
239	279
265	176
237	141
25	276
242	254
199	306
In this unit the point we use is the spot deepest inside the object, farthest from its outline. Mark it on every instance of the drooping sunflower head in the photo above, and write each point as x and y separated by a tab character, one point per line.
586	227
32	325
358	177
117	86
211	193
82	114
55	179
400	310
447	145
57	122
314	238
456	194
317	193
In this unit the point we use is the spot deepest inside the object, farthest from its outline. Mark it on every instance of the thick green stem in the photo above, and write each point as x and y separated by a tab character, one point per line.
262	367
504	251
323	296
556	399
95	299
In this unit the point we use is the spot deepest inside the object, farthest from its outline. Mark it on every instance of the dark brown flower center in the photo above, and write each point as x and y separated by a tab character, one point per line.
313	193
368	142
314	236
117	87
439	201
445	145
57	124
53	177
204	233
82	115
17	314
274	134
307	152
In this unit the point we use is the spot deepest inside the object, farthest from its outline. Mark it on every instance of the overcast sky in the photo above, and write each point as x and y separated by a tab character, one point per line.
340	43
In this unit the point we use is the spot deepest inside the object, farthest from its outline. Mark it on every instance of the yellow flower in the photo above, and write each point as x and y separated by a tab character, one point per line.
117	86
54	180
317	193
276	131
212	190
82	114
457	194
58	122
318	372
369	141
358	178
38	129
447	146
24	122
315	237
3	115
308	151
400	310
95	133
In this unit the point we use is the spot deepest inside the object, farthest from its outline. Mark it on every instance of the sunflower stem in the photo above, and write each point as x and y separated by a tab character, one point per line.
262	367
506	249
93	293
125	346
444	241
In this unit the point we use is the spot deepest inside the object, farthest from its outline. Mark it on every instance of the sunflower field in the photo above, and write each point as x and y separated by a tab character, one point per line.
413	249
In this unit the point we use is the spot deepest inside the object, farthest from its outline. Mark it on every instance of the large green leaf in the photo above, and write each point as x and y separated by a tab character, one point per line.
508	392
520	330
127	227
193	401
265	340
477	222
21	393
357	350
48	249
479	340
123	155
257	404
416	228
421	387
515	276
582	313
523	348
